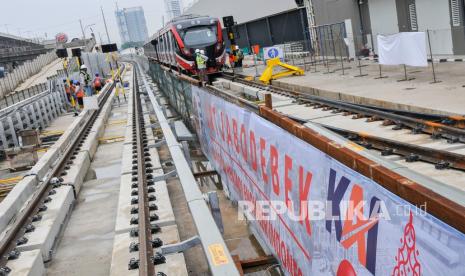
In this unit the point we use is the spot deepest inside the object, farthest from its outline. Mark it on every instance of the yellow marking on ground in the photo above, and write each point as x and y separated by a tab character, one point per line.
111	139
117	122
364	134
52	132
433	124
11	180
353	146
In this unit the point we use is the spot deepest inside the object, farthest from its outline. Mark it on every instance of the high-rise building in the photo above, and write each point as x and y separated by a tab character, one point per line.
173	8
132	25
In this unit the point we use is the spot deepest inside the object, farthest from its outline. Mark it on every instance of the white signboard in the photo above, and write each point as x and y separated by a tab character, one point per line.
403	48
273	52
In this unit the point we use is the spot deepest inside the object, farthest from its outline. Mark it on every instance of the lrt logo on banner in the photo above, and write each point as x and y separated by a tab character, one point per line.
354	230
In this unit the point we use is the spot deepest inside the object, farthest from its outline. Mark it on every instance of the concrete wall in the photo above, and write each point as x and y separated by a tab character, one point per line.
383	16
336	11
242	10
432	15
435	15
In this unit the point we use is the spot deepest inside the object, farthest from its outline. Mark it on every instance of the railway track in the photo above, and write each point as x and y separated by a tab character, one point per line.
432	145
141	161
33	210
438	127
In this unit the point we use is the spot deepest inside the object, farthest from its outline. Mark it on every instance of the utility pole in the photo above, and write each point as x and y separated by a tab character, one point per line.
105	23
100	36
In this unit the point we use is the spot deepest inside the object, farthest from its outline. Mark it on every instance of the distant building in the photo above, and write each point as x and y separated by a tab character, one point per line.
132	25
173	8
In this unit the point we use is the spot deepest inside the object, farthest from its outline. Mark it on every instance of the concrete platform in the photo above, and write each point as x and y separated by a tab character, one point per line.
446	97
123	216
75	175
47	229
29	263
175	263
11	205
87	242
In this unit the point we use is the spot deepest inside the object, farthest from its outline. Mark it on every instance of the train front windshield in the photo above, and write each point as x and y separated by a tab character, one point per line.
200	36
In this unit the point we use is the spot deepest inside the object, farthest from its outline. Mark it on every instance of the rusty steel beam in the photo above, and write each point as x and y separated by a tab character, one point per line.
205	174
259	261
181	76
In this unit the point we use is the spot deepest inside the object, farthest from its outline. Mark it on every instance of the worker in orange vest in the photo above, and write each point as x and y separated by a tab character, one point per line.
97	83
80	95
67	90
231	59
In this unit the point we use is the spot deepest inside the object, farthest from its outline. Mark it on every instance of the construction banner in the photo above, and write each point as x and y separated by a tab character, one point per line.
315	214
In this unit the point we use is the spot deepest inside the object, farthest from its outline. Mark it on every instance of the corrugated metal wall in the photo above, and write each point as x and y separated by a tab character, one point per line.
276	29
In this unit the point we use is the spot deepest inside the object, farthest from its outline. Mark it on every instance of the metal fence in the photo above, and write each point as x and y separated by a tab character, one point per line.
179	94
29	68
335	51
96	63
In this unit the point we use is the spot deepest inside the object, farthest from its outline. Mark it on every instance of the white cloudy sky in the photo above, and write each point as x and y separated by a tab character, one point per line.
33	18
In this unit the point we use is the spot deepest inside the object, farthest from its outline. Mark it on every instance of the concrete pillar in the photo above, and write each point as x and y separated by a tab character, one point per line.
20	121
12	131
3	136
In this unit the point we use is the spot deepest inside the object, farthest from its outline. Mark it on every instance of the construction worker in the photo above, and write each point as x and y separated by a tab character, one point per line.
85	80
239	56
67	90
80	95
201	60
230	61
97	83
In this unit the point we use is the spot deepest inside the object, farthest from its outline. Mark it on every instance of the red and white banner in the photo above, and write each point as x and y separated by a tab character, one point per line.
318	216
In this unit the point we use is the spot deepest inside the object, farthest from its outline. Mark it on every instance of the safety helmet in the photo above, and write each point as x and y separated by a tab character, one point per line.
83	67
202	52
197	51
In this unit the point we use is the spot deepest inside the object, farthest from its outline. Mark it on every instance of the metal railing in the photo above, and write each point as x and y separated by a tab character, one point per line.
12	80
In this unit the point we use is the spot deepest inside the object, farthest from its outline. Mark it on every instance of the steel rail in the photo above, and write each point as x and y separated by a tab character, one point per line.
217	254
441	158
453	134
146	265
17	229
